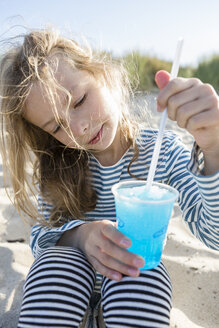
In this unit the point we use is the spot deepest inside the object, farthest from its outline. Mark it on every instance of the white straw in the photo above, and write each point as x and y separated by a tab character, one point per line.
173	74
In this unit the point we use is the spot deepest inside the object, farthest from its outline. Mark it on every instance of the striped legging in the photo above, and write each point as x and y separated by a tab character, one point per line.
60	284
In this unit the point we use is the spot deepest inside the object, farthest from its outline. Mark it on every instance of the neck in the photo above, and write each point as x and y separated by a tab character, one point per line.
109	159
112	155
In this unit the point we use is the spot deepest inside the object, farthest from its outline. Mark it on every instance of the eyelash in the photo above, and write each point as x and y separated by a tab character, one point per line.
56	129
79	103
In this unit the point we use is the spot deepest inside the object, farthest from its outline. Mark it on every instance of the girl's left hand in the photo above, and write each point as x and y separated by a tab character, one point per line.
194	106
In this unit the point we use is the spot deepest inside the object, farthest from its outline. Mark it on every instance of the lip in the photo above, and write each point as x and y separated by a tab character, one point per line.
97	137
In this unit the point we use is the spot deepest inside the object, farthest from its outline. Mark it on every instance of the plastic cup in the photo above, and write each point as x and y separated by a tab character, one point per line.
143	215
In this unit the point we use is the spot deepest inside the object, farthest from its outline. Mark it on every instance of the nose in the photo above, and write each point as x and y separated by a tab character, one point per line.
79	126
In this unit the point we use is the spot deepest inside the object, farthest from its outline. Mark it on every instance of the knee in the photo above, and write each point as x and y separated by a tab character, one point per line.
59	263
147	297
156	280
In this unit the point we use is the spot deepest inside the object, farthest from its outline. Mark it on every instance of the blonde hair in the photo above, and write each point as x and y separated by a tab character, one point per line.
61	173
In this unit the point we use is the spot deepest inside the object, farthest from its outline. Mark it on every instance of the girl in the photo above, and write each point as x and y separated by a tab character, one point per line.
70	109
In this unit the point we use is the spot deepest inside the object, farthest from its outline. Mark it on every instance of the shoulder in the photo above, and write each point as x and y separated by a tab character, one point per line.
43	206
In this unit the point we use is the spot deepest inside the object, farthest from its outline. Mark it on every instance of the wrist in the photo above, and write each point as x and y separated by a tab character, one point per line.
211	163
81	236
71	237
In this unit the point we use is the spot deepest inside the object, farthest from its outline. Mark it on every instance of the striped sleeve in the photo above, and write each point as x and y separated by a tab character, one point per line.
207	230
198	194
43	237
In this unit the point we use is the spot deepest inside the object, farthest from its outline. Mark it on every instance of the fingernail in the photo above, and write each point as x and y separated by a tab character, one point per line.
116	276
139	261
133	272
159	109
125	242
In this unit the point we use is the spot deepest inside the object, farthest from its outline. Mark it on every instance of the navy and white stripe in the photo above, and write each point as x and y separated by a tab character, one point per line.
138	302
57	290
60	283
198	195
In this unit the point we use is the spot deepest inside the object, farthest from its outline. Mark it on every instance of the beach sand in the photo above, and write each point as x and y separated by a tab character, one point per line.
194	269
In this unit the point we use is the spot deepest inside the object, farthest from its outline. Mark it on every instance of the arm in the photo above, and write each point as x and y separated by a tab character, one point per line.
207	230
105	248
198	194
103	245
195	107
44	237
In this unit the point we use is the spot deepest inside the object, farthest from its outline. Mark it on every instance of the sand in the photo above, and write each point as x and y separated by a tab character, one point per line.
193	267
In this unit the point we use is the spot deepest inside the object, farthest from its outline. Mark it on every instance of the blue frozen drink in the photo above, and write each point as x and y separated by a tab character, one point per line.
143	216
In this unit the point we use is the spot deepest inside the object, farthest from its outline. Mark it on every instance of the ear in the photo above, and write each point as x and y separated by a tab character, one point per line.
162	78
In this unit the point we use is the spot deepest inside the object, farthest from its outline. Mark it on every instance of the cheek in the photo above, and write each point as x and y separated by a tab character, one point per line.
112	107
66	140
115	112
106	102
103	106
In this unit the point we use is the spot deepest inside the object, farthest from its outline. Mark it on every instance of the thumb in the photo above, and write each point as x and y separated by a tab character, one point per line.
115	224
162	78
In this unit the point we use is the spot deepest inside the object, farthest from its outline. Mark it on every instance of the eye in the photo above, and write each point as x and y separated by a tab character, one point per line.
58	127
80	102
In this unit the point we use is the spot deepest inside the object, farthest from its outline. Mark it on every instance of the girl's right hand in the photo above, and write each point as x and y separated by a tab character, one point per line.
105	248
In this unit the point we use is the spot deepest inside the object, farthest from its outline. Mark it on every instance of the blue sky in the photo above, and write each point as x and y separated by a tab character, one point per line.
121	26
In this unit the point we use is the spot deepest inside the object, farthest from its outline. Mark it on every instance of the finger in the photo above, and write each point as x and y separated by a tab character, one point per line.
116	236
115	264
108	248
104	270
162	78
205	119
186	111
185	97
173	87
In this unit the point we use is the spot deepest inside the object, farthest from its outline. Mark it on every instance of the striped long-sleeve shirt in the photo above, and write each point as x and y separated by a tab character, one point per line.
177	166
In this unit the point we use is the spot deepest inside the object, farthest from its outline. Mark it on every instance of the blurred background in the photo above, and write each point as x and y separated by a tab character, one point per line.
142	33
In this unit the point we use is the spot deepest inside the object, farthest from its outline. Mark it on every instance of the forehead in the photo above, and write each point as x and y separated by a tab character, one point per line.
66	78
66	75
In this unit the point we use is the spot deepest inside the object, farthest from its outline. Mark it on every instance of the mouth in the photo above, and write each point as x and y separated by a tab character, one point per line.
97	137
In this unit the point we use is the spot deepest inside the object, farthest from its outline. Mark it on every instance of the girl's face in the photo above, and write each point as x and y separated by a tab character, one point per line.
93	116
